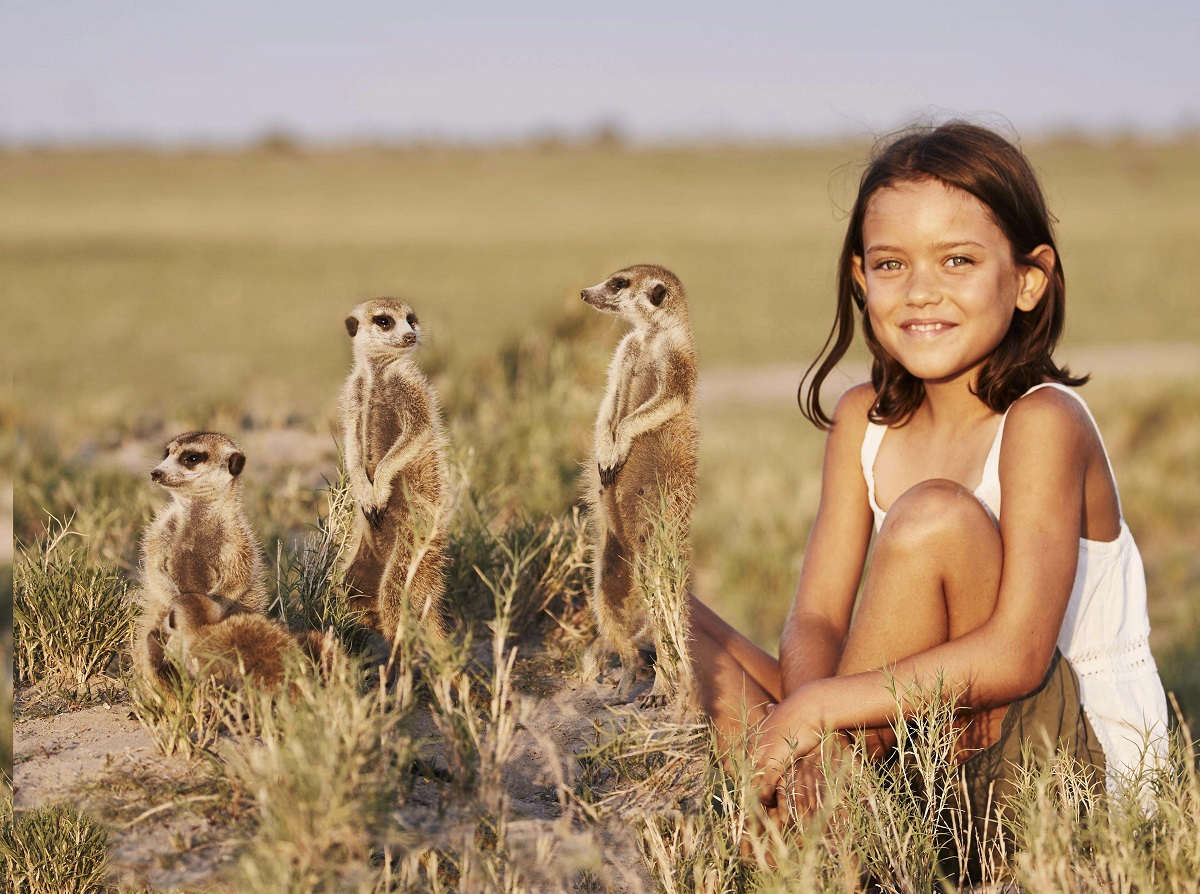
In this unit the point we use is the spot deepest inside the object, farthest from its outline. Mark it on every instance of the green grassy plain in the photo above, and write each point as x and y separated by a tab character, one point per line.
135	278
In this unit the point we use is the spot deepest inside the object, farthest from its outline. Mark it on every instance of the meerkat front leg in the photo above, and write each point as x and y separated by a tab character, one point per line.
393	463
646	418
356	473
608	457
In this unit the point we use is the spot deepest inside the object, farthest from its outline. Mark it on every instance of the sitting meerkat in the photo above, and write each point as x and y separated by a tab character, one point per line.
395	454
213	644
200	542
646	441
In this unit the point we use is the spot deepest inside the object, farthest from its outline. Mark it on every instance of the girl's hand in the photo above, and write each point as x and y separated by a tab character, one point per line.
786	736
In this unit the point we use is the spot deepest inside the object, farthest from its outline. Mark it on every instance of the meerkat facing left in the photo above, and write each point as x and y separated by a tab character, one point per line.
395	455
646	442
200	542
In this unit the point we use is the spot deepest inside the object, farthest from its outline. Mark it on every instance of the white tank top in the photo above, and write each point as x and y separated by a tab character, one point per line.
1105	633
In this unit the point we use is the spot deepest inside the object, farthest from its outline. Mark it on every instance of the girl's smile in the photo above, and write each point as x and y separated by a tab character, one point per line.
940	279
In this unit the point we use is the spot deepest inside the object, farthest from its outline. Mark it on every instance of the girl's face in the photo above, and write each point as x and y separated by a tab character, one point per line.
939	277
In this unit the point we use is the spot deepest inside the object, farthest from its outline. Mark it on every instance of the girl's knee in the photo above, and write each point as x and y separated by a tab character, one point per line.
936	511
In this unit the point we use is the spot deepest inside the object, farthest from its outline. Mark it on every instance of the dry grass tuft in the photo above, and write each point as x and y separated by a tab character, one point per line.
71	617
55	850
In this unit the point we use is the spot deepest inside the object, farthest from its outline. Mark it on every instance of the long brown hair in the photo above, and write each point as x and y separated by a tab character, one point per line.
993	170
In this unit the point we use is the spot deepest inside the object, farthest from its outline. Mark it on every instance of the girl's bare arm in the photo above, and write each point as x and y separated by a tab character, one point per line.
833	560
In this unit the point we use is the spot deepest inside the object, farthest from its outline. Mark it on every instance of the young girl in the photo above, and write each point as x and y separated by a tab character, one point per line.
950	258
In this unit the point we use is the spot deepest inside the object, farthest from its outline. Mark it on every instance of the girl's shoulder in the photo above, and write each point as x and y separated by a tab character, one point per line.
843	446
853	406
1050	412
1051	426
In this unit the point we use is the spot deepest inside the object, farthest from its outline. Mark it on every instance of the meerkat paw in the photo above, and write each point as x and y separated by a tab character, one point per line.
590	669
608	474
625	685
653	700
610	458
374	515
658	696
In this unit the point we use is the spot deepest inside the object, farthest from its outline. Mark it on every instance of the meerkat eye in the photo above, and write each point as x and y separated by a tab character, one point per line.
194	459
383	321
617	284
166	452
411	319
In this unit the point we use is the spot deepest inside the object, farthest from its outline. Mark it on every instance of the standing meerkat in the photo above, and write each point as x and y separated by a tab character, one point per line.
395	454
200	542
646	441
212	644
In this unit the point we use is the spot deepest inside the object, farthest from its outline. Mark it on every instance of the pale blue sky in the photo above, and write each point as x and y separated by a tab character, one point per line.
222	71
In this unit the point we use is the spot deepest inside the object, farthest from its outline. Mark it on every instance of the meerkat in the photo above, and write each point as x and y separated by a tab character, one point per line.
212	644
395	455
200	542
645	442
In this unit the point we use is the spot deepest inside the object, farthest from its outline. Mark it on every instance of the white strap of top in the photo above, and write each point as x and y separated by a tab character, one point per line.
870	447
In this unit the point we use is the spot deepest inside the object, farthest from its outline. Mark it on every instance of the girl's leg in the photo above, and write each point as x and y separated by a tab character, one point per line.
735	679
934	576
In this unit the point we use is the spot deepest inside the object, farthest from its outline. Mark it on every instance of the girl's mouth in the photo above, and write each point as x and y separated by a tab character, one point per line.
926	327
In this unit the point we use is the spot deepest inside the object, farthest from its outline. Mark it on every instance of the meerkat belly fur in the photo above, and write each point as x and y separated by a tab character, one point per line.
200	542
395	455
646	440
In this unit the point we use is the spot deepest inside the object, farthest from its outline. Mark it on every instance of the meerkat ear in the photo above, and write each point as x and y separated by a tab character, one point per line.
658	294
352	326
237	462
171	620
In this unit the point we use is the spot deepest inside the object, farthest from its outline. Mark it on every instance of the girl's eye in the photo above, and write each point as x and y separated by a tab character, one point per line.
890	264
958	261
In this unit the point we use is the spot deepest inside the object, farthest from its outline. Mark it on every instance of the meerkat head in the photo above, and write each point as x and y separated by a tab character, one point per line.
200	464
189	613
383	327
645	295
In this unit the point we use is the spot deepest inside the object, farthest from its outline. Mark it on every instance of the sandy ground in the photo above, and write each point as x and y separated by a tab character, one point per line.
88	757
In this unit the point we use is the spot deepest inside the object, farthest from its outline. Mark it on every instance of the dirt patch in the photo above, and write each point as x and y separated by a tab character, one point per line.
102	760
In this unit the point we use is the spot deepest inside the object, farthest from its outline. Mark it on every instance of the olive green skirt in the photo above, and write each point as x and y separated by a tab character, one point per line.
1049	720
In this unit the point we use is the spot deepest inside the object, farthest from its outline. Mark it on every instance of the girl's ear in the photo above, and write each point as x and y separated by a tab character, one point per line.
1033	277
858	272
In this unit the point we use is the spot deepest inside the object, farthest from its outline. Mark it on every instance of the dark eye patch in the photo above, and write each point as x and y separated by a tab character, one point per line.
383	321
617	283
193	458
411	319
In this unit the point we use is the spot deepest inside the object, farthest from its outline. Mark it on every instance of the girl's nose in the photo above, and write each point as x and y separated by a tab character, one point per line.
923	289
